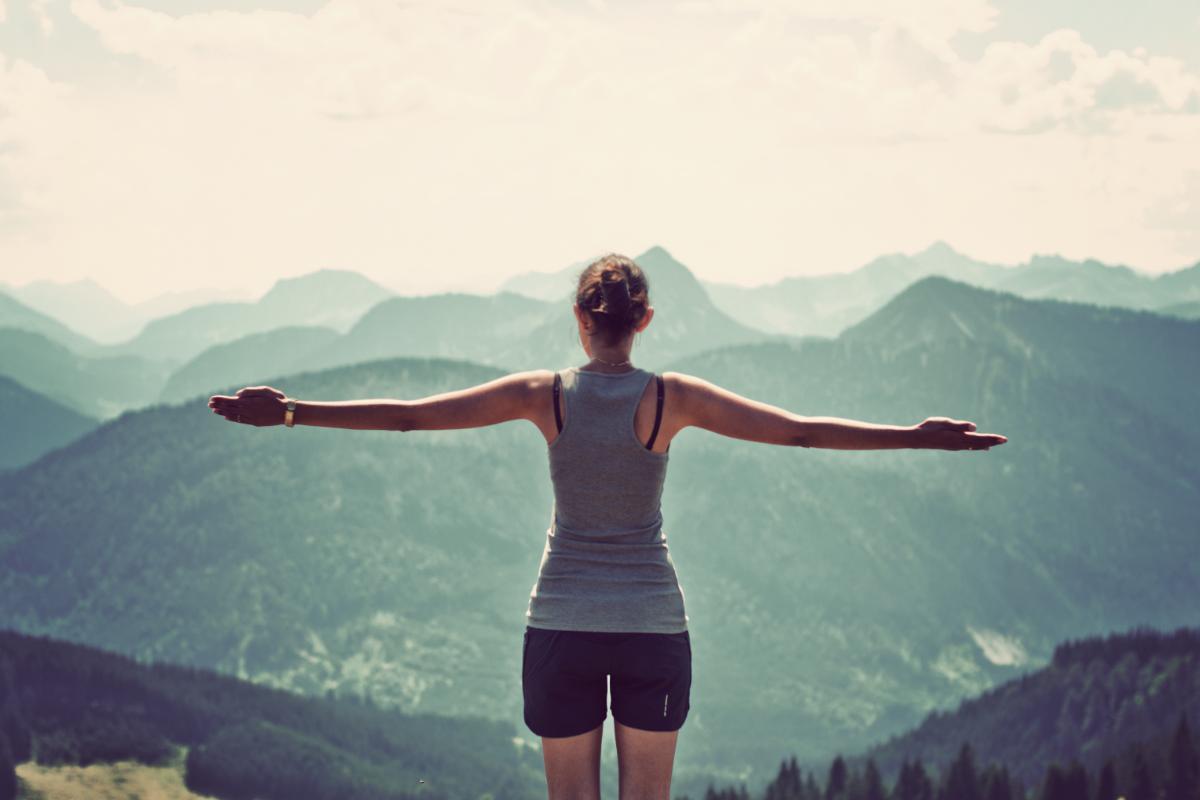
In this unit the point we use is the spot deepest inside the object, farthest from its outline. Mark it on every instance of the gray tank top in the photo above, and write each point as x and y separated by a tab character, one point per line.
606	565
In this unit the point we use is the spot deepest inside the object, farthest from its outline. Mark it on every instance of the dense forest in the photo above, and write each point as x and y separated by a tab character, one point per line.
1157	770
1096	697
64	703
1109	717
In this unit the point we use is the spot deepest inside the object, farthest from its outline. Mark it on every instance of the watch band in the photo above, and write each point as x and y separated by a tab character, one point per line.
289	416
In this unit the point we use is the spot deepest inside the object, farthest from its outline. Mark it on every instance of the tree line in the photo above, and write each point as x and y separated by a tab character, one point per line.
1157	770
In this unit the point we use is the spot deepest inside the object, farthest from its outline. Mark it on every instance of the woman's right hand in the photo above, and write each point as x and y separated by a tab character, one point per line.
253	405
943	433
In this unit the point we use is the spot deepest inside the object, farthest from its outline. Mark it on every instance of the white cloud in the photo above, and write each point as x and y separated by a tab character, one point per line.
470	139
1063	81
1005	651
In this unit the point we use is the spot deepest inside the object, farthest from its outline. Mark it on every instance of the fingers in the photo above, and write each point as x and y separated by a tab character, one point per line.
983	441
250	391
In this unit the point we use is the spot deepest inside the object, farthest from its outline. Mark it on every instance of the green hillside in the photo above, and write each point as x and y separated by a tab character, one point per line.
1095	699
1107	718
94	386
246	359
63	703
44	424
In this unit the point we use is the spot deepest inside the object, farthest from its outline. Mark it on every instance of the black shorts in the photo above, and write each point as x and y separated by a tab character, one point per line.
563	676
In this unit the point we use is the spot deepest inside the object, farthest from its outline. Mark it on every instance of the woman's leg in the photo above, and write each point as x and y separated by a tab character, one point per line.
573	765
644	761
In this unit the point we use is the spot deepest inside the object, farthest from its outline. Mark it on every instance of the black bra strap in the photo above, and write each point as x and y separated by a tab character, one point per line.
557	413
657	414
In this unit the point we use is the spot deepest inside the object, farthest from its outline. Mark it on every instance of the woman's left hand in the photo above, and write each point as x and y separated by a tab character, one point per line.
259	406
944	433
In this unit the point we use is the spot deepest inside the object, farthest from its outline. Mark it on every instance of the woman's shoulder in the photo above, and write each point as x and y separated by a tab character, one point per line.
682	382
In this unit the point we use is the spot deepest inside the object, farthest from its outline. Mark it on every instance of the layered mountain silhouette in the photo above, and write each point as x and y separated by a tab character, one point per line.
859	589
95	386
1117	347
464	326
825	305
325	298
167	357
89	308
686	322
508	330
15	314
247	359
37	424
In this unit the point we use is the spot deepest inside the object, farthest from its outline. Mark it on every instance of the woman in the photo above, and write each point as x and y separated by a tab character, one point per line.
607	602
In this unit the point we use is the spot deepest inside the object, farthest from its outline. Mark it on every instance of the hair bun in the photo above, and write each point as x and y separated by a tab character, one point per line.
614	288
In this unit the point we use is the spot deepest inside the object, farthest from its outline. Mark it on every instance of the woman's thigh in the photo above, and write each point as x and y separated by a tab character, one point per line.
651	696
573	765
645	760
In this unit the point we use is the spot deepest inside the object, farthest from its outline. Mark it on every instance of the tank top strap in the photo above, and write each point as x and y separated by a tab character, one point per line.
657	413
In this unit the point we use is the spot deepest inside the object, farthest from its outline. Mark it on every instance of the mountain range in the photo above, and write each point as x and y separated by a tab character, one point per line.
825	305
170	352
861	590
87	307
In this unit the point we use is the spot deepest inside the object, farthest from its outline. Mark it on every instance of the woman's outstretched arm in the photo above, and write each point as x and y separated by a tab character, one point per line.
500	400
712	408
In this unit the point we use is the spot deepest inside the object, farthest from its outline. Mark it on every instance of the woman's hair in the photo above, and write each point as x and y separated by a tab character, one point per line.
614	290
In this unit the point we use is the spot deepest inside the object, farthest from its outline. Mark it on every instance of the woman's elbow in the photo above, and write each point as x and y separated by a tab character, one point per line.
801	434
400	417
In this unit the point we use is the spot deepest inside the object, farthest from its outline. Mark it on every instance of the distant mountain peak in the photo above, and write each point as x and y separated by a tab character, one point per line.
322	281
938	248
657	252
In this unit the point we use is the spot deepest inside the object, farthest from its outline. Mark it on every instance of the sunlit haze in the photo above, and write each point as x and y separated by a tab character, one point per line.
166	146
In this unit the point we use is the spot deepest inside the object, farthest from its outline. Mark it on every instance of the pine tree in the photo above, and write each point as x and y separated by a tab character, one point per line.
1107	788
12	725
962	779
1142	785
1054	786
786	785
775	789
792	783
872	782
8	771
922	783
835	787
1183	767
912	783
996	784
811	790
901	788
1076	782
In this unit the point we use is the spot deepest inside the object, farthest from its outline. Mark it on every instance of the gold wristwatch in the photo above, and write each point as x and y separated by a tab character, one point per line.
289	416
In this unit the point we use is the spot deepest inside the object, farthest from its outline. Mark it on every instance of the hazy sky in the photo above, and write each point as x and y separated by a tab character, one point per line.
446	145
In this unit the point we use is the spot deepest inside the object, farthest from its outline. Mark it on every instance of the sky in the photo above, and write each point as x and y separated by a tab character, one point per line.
164	145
